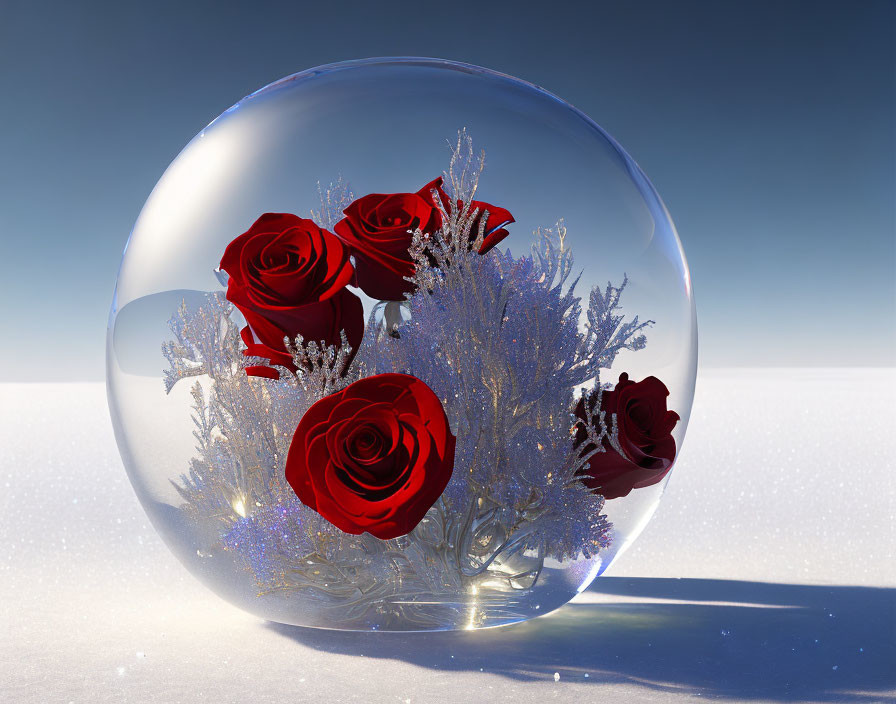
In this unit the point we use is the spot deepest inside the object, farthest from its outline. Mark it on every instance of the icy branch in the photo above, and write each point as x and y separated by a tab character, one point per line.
333	200
497	338
206	341
321	369
607	334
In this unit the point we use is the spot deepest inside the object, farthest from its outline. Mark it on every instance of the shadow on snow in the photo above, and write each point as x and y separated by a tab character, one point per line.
718	638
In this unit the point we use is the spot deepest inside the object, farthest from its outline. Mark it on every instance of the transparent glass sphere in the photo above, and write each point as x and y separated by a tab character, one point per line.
528	331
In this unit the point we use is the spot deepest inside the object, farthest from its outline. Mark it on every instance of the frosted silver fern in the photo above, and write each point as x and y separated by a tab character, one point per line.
498	339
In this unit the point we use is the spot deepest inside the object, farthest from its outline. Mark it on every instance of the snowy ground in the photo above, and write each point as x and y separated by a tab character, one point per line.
767	574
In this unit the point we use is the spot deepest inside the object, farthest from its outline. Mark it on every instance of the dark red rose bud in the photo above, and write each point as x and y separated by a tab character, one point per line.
644	428
373	457
287	278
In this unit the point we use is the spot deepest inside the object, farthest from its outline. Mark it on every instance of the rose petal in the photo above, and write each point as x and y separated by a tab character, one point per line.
405	466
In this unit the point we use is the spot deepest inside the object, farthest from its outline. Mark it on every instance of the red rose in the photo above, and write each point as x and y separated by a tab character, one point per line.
644	428
378	230
287	277
373	457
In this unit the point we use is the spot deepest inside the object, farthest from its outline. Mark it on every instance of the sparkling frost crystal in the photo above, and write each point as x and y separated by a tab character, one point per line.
497	338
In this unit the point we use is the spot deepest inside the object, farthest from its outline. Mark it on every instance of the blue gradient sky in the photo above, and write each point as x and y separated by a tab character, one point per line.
767	127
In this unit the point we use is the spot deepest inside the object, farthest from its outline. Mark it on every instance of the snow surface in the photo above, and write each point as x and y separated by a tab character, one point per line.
767	574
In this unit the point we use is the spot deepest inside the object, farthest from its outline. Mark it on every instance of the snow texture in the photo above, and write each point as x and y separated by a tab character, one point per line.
766	575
